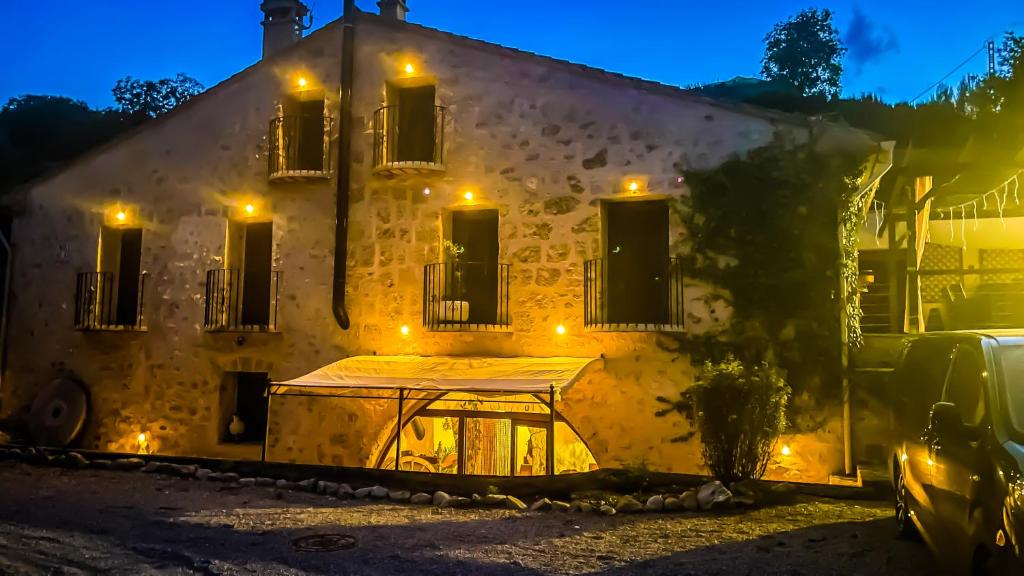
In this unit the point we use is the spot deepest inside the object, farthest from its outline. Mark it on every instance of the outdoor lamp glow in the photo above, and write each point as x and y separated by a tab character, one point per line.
142	438
302	82
468	195
560	330
634	186
426	191
404	330
409	68
121	216
250	209
786	450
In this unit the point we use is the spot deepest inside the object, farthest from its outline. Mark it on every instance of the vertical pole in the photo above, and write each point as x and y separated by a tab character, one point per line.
266	431
462	446
8	257
550	445
398	435
913	281
893	275
844	350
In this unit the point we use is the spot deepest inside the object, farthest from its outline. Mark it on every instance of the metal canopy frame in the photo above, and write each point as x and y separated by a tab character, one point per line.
403	395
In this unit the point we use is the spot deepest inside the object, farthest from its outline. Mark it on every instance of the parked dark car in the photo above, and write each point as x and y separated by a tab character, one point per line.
958	464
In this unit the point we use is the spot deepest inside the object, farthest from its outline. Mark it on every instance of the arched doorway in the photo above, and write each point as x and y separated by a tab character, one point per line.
487	435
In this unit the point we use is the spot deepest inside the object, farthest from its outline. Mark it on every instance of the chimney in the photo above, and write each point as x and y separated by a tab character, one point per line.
283	24
393	9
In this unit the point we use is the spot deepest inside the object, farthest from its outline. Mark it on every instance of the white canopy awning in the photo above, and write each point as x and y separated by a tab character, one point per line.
520	375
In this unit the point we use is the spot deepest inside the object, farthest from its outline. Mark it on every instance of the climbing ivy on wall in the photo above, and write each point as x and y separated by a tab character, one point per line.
775	231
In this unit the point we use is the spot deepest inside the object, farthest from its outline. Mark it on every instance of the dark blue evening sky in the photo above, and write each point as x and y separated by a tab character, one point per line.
897	47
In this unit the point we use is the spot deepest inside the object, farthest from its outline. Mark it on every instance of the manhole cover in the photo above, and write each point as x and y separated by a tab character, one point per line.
324	542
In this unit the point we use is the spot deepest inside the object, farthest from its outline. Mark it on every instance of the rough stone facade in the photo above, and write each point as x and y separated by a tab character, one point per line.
541	141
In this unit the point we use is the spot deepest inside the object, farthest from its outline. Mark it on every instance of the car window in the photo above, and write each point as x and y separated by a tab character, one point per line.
1011	361
966	386
918	381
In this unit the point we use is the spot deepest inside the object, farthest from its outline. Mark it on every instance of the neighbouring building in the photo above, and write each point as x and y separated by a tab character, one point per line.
391	224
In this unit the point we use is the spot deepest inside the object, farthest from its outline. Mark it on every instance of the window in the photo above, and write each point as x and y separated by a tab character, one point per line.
414	120
409	129
637	262
966	385
121	255
243	296
307	131
473	271
918	380
244	407
111	297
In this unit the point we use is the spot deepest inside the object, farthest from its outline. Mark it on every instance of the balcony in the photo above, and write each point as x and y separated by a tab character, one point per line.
103	302
408	145
235	303
300	148
644	299
466	296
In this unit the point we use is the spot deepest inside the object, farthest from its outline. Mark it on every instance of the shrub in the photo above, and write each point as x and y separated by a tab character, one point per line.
739	410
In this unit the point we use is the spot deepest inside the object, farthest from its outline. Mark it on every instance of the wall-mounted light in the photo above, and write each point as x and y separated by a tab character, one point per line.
250	209
302	82
468	195
560	330
120	216
786	450
404	330
426	191
409	68
634	184
143	441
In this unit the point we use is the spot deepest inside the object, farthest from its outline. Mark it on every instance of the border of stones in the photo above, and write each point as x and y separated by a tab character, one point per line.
712	495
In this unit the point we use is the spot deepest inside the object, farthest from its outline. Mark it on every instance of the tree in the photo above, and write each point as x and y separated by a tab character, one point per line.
153	98
805	51
40	132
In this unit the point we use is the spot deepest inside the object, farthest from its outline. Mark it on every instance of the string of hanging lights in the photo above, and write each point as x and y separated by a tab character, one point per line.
1000	195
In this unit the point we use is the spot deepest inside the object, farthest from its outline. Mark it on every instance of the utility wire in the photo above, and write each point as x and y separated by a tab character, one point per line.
928	90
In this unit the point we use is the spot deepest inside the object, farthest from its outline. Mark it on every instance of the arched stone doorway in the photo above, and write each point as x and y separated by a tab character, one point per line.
487	435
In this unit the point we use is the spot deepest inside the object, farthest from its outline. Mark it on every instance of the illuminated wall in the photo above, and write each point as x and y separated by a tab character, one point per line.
541	142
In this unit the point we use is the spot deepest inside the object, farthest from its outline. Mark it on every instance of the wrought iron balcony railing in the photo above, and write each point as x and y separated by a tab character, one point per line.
300	147
470	296
633	299
406	145
235	303
102	302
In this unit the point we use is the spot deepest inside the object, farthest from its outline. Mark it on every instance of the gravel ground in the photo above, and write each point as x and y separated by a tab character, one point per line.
55	521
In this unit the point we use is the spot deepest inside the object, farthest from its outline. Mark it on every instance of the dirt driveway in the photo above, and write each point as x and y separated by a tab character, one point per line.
55	521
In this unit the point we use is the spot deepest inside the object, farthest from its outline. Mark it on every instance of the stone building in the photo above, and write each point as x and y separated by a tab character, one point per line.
503	209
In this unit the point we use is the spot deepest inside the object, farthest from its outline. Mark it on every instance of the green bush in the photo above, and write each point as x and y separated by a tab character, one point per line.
740	410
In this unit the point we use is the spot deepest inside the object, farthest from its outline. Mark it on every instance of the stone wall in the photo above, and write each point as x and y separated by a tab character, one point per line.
542	142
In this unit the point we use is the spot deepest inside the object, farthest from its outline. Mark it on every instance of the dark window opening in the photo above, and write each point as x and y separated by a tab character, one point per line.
256	274
473	275
299	136
244	407
415	123
128	273
636	250
112	296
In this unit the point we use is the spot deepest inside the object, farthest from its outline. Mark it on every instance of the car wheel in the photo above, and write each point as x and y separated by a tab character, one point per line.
905	527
